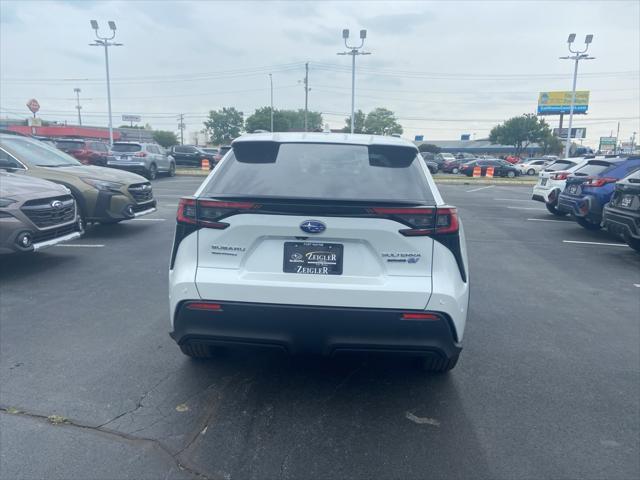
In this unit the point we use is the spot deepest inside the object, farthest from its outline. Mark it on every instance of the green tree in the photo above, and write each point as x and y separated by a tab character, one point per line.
165	138
358	127
283	120
520	132
428	147
551	144
382	122
224	125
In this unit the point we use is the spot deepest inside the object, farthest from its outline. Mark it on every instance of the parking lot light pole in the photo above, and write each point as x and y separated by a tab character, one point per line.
576	57
353	51
106	43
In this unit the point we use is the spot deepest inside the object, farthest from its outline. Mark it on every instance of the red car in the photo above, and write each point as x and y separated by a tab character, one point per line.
89	152
512	159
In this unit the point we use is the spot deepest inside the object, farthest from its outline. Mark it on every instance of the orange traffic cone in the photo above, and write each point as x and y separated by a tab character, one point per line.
205	164
489	172
477	171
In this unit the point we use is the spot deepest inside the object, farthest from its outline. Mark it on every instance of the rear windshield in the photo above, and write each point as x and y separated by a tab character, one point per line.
593	168
560	165
70	144
126	147
322	171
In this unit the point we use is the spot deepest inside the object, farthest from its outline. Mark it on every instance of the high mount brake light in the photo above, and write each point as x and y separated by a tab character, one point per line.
600	182
207	213
423	221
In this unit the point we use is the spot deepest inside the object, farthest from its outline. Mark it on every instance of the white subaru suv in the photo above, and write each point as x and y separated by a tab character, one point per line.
552	180
320	243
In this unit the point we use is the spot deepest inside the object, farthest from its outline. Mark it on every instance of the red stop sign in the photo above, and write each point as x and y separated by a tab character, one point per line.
33	105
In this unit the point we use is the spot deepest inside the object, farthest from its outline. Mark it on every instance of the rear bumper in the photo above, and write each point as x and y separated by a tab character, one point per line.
546	193
623	223
316	330
584	206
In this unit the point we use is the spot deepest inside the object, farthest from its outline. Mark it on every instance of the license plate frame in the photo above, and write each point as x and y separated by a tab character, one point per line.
313	258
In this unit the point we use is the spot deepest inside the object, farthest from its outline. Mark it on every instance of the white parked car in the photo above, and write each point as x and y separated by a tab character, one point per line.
532	166
552	180
322	243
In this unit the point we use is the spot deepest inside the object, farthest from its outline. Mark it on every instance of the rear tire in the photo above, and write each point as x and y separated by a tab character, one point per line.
436	364
634	243
531	171
588	224
197	350
511	174
554	209
152	173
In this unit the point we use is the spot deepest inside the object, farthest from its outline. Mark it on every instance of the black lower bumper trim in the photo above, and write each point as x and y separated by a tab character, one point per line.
316	330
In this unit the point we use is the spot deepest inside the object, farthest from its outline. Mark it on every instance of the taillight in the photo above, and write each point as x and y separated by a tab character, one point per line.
140	154
559	176
208	213
600	182
423	221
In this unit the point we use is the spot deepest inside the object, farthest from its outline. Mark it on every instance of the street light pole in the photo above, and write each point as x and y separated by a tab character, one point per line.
577	56
353	51
271	83
78	106
106	43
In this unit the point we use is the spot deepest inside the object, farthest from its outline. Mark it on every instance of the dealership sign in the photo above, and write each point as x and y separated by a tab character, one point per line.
555	103
575	132
33	105
131	118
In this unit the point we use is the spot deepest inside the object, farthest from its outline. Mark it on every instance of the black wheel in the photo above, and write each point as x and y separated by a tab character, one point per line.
554	209
436	364
197	350
584	222
511	174
455	170
634	243
172	169
152	173
531	171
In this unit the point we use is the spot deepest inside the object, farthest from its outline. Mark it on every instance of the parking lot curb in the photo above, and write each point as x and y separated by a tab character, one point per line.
461	181
192	172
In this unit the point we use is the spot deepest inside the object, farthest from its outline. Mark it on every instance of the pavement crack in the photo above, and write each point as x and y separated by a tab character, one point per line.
139	403
118	436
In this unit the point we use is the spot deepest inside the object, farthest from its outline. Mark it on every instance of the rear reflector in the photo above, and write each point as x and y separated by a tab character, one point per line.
211	307
420	316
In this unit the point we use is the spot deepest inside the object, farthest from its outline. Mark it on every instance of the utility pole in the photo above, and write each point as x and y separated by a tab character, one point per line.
181	127
78	106
306	97
271	110
353	51
106	43
615	148
577	56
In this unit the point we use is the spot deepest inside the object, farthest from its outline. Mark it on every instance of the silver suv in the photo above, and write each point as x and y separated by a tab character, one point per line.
148	159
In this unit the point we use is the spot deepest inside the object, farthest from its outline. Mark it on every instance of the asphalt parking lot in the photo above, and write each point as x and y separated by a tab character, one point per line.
548	386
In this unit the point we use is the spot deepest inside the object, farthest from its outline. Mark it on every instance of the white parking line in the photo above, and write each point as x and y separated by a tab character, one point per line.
513	199
528	208
148	219
86	245
597	243
481	188
546	220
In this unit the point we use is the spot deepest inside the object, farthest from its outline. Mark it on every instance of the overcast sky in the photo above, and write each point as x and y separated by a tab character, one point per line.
444	68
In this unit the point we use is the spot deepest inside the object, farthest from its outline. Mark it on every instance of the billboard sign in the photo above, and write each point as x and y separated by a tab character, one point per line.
555	103
131	118
575	132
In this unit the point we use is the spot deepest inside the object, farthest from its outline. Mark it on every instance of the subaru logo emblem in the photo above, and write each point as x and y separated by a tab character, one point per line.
312	226
57	204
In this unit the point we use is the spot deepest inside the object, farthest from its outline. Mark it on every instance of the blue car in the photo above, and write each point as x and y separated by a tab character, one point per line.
590	188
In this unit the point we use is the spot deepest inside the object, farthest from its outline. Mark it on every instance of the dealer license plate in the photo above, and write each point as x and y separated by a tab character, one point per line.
311	258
